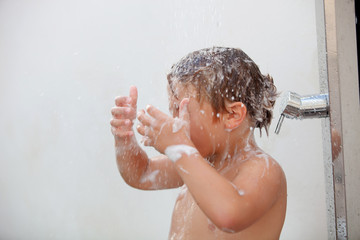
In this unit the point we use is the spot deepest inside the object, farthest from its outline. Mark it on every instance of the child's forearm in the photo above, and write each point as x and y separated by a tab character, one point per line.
131	159
141	172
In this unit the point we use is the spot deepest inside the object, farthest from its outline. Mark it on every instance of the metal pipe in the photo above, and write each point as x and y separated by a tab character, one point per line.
294	106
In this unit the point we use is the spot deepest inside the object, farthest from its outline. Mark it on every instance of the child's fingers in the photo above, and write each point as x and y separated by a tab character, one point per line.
147	141
141	129
145	132
122	101
123	112
154	112
144	119
120	133
133	96
120	123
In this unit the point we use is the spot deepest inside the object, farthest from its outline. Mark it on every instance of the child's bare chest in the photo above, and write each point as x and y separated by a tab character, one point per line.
189	222
187	219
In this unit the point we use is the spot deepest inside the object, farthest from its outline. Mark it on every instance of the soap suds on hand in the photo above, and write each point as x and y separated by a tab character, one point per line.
174	152
178	124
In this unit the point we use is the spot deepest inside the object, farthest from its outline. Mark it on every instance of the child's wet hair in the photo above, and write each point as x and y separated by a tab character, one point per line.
227	73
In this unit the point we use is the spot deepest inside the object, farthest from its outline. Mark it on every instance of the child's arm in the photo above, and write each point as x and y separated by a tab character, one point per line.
133	163
231	206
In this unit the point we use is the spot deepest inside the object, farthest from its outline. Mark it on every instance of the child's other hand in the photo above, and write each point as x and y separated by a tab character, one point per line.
124	114
160	130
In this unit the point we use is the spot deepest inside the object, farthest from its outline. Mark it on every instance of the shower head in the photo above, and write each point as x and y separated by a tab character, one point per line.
295	106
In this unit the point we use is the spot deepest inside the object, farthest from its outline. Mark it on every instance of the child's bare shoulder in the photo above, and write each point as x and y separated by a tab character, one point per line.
261	183
260	159
261	167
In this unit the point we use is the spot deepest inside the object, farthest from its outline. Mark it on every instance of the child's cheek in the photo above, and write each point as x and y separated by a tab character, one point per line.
199	135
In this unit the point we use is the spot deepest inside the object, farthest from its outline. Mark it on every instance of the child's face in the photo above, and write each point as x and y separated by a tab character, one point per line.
206	134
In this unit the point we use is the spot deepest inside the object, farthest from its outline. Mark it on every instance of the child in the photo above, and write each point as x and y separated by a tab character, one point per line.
231	188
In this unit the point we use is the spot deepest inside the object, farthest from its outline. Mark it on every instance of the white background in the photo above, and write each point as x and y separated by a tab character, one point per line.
63	62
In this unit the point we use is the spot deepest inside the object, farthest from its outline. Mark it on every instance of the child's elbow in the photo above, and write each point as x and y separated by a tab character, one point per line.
230	225
233	221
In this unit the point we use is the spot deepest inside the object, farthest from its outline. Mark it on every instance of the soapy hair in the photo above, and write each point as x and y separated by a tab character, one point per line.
227	73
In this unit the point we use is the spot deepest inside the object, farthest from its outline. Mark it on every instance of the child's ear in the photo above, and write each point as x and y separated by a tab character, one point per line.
236	113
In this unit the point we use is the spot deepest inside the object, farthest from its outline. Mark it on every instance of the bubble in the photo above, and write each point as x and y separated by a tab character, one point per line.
241	192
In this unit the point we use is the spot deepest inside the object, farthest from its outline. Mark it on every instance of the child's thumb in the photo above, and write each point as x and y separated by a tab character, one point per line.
183	110
133	95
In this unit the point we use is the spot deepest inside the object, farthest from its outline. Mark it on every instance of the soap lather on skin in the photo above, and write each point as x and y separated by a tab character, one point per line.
178	124
174	152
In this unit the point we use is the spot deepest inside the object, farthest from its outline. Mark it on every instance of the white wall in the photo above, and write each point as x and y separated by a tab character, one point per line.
63	62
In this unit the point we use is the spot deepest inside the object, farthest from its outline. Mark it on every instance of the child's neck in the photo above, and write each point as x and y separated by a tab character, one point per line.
237	146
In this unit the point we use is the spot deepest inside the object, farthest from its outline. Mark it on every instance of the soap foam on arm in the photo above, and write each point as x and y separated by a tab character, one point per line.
174	152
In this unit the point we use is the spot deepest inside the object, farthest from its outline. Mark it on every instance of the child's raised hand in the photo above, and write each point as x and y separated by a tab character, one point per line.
160	130
124	114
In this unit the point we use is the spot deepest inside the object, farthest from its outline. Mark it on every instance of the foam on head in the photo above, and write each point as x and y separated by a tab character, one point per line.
220	73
